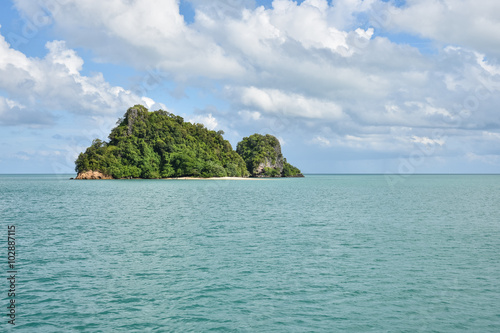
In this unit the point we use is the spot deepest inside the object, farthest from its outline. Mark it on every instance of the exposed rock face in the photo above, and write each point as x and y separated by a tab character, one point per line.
262	154
131	116
92	175
277	163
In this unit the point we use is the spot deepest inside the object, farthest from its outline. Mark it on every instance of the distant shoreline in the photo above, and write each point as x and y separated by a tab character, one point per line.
97	175
189	178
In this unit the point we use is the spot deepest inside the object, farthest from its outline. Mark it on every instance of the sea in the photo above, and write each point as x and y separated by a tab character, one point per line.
324	253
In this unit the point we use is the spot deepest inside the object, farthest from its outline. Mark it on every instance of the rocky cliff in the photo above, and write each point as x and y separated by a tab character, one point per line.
263	157
92	175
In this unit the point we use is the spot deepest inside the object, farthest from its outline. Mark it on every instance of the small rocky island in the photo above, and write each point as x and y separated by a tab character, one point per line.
159	144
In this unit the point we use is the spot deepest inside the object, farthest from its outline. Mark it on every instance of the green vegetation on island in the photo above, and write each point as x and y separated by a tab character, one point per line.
160	144
263	157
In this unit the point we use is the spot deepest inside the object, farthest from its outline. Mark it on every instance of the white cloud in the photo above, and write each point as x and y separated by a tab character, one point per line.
208	120
274	101
469	23
307	24
59	54
428	141
139	33
249	115
321	141
55	83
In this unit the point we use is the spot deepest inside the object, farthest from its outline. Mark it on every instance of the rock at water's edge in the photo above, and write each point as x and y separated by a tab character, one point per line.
92	175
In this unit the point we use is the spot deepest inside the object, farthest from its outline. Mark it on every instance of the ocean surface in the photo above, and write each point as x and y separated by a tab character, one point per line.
326	253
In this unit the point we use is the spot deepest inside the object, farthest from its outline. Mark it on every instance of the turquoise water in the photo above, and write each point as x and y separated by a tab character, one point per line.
327	253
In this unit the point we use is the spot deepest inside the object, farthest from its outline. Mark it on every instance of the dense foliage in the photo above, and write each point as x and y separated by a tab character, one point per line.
262	155
289	170
160	145
257	149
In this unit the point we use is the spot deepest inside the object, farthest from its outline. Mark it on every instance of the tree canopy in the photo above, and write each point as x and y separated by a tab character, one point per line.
263	157
160	144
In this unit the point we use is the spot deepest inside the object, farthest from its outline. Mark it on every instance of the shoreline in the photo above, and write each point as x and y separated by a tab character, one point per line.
173	178
97	175
187	178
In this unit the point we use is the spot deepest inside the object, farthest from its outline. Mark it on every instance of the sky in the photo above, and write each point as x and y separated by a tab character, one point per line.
347	86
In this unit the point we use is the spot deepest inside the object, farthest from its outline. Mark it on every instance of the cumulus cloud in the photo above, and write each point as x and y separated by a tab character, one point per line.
208	120
467	23
35	87
274	101
140	33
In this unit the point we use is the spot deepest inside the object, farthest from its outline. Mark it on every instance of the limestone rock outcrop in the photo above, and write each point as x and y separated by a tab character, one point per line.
263	157
92	175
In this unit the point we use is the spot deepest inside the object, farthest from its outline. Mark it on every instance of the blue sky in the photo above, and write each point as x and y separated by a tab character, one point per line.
348	86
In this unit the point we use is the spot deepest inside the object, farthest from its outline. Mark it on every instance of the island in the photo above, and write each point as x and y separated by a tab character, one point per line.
159	144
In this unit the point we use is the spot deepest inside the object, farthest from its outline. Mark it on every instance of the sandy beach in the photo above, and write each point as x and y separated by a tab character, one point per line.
211	178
